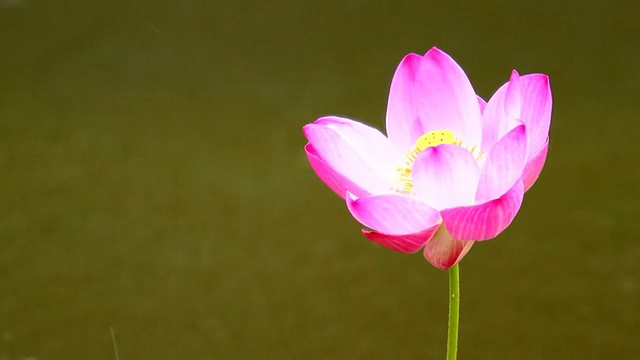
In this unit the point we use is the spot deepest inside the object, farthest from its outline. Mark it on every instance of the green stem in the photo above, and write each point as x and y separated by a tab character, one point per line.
454	312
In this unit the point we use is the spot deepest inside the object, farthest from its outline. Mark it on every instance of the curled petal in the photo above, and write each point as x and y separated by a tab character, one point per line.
431	93
370	142
513	96
393	214
502	112
443	251
503	166
535	110
445	176
484	221
534	166
404	108
408	244
355	151
334	180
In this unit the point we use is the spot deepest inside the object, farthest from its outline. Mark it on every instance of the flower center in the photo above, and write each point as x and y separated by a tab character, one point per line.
432	138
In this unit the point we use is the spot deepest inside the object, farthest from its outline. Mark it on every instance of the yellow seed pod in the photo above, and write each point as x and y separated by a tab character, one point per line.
434	138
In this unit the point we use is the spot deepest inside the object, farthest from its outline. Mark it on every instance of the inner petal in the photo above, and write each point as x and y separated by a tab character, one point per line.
446	176
432	138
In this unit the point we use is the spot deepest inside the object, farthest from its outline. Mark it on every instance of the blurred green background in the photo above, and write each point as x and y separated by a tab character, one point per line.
153	183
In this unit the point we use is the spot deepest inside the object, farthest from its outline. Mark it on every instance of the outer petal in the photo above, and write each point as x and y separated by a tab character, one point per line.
355	151
504	165
484	221
502	112
334	180
443	251
431	93
407	244
534	166
445	176
536	109
393	214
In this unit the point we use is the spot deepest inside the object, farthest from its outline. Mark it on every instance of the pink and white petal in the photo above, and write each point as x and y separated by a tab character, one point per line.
534	166
536	109
503	166
393	214
482	103
484	221
407	244
445	176
356	151
373	145
502	112
492	118
444	251
513	96
431	93
334	180
404	107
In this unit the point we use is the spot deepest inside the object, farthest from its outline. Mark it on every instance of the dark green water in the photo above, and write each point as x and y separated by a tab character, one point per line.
153	183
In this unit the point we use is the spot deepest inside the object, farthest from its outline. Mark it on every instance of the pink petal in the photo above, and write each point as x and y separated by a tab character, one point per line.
357	152
334	180
534	166
502	112
484	221
504	165
443	251
393	214
445	176
431	93
536	109
512	97
407	244
482	103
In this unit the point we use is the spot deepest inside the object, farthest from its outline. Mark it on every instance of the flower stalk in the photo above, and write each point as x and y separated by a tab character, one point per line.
454	312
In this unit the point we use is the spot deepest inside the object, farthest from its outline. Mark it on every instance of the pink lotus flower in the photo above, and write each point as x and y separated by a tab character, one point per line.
452	170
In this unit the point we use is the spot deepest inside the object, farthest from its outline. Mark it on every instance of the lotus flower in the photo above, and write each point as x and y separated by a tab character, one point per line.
452	169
